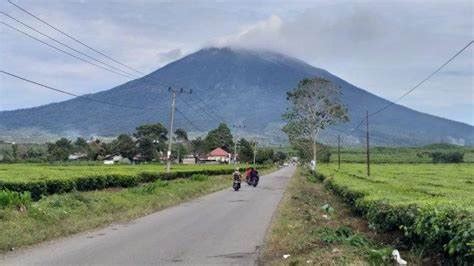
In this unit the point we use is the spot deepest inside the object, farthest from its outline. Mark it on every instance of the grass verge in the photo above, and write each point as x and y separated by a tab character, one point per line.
315	227
64	214
24	222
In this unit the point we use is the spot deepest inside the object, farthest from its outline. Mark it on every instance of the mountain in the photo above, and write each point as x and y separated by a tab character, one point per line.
241	86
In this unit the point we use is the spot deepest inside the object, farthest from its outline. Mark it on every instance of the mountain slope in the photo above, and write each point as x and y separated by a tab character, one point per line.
238	85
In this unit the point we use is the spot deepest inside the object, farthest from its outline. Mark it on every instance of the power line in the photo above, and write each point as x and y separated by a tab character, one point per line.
165	84
63	51
74	38
188	120
69	93
419	83
63	44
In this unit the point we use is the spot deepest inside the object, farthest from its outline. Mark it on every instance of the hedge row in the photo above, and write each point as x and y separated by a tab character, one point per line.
53	186
446	231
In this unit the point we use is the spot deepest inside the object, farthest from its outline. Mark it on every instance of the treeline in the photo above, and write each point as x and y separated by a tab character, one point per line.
148	143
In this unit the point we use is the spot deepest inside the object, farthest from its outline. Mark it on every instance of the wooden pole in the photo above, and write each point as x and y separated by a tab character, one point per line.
367	142
338	152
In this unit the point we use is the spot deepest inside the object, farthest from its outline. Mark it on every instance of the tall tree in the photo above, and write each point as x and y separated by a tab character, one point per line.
245	151
221	137
181	134
315	104
151	139
124	145
198	146
60	150
80	145
155	132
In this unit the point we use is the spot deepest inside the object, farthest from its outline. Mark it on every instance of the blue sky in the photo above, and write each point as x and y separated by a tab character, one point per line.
384	47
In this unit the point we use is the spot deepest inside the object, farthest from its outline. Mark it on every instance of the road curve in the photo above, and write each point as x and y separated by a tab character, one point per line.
223	228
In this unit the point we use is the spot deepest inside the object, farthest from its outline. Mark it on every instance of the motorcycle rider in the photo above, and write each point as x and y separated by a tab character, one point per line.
247	174
237	178
254	175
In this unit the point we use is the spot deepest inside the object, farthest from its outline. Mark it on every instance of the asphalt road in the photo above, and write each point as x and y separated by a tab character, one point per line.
223	228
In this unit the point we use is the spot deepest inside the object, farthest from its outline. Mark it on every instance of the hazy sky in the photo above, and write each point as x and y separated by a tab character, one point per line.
384	47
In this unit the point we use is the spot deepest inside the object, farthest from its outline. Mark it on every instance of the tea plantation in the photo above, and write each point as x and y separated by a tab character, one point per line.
431	204
45	179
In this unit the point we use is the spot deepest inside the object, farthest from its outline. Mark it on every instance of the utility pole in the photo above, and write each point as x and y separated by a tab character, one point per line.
254	151
338	152
235	143
367	142
170	132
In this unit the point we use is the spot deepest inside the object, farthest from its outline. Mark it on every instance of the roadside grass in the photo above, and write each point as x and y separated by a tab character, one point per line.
24	222
301	230
65	214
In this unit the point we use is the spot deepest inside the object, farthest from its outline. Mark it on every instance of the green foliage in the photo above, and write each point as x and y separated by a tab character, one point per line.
80	145
221	137
42	180
314	105
181	134
403	154
60	150
179	151
199	177
280	157
124	145
434	214
245	151
14	199
198	146
151	139
447	157
342	234
264	156
305	152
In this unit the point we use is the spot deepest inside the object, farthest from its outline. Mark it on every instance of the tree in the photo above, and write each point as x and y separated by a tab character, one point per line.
181	134
147	149
245	150
156	132
96	149
178	151
80	145
221	137
198	146
280	157
124	145
15	152
151	139
314	105
264	155
60	150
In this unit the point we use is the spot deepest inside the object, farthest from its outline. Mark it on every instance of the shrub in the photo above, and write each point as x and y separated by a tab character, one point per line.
448	231
447	157
199	177
13	198
86	183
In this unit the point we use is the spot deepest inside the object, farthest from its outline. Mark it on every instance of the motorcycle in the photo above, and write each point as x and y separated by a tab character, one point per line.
254	180
236	183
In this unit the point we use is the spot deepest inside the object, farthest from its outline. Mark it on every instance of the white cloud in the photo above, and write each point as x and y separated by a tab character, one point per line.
382	46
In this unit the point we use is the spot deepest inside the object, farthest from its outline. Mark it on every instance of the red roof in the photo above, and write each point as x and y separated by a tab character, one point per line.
218	152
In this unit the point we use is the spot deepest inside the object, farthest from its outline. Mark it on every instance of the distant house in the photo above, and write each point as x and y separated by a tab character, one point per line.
189	159
113	159
219	155
77	156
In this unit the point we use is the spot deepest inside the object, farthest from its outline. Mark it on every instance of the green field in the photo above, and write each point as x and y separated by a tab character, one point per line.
28	172
447	185
45	179
398	154
431	204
